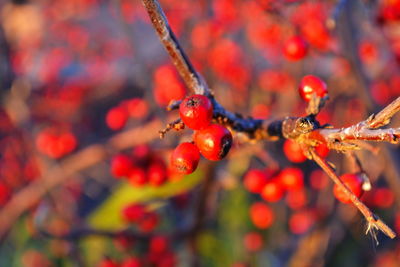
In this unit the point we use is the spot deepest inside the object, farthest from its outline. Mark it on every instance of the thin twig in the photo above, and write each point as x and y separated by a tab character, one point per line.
171	44
373	220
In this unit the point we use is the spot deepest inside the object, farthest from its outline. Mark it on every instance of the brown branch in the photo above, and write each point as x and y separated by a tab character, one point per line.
171	44
384	116
79	161
374	222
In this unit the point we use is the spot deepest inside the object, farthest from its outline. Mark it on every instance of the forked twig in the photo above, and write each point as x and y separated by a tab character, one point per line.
374	222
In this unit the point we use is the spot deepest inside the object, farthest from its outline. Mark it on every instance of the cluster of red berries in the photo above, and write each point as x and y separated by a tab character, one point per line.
213	141
117	117
140	168
55	143
158	254
138	215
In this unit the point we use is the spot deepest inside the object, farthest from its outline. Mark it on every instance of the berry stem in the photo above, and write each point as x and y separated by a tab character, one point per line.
373	220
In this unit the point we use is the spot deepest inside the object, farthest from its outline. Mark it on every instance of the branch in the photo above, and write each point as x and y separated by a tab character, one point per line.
374	222
171	44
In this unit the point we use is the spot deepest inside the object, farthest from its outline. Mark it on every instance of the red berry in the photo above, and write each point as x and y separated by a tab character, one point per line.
5	193
272	191
133	213
255	180
121	165
158	244
253	241
214	142
157	173
137	177
131	262
322	150
301	221
293	151
196	111
311	84
296	199
136	107
185	158
149	222
116	118
295	48
292	178
354	182
261	215
108	263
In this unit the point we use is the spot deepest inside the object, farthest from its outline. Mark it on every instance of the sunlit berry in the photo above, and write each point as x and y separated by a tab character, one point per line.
354	182
293	151
295	48
272	191
137	177
116	118
311	84
121	165
196	111
214	142
291	178
261	215
185	158
255	180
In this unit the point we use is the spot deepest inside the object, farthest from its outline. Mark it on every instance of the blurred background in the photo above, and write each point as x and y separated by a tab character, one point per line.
85	179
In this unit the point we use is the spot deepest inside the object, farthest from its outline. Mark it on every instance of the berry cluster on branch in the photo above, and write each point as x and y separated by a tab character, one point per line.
306	131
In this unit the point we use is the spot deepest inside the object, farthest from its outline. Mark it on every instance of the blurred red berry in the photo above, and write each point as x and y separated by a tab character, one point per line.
261	215
131	262
137	108
196	111
116	118
296	199
149	222
295	48
253	241
133	213
137	177
322	150
255	180
292	178
121	165
272	191
159	244
5	193
157	173
301	221
354	182
311	84
319	180
108	263
214	142
293	151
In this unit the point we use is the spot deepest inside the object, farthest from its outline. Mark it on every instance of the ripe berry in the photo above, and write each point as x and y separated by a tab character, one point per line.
295	48
255	180
158	244
354	182
121	165
133	213
272	191
301	221
137	177
261	215
311	84
214	142
149	222
131	262
157	173
253	241
292	178
196	111
116	118
108	263
185	158
293	151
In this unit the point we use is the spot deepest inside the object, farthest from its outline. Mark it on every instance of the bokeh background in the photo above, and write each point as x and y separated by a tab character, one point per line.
84	85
